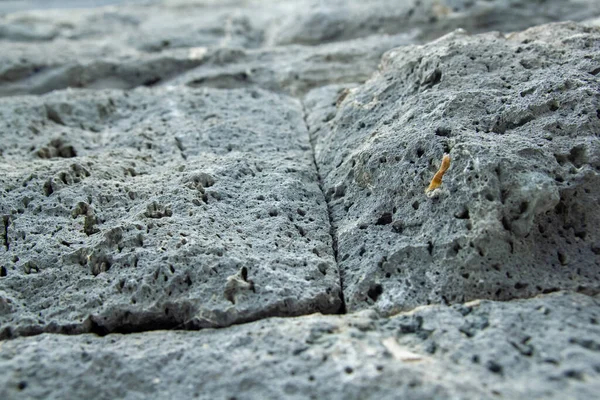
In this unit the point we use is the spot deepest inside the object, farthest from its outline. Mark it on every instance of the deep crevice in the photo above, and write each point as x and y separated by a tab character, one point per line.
148	326
334	244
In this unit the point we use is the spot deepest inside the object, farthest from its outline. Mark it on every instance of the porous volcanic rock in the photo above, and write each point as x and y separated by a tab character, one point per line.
159	208
543	348
517	213
189	189
288	45
294	69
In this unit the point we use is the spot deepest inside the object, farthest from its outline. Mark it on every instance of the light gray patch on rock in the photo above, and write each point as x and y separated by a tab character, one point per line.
11	6
516	214
165	195
536	348
591	22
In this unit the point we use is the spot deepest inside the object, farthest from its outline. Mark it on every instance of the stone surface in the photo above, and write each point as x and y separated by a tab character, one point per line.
9	6
159	208
35	69
294	69
237	43
314	22
182	182
517	211
539	348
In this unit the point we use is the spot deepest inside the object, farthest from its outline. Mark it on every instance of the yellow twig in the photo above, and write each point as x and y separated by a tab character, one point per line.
436	182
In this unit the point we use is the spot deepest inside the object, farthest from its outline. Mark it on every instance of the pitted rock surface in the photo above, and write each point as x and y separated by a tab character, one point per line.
516	214
236	43
537	348
172	208
187	187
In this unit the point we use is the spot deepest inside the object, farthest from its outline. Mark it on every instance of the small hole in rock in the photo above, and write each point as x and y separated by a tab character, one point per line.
462	214
523	207
520	285
562	258
443	131
385	219
494	367
375	291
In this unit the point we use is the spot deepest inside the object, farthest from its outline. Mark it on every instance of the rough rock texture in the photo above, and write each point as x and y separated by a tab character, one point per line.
516	214
538	348
159	208
239	42
295	69
183	182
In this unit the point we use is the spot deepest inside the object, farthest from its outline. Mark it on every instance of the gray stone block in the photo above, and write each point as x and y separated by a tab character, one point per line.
545	348
159	208
516	214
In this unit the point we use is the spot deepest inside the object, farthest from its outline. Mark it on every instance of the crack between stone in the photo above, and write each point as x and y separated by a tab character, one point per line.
180	147
6	222
91	325
191	321
334	244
